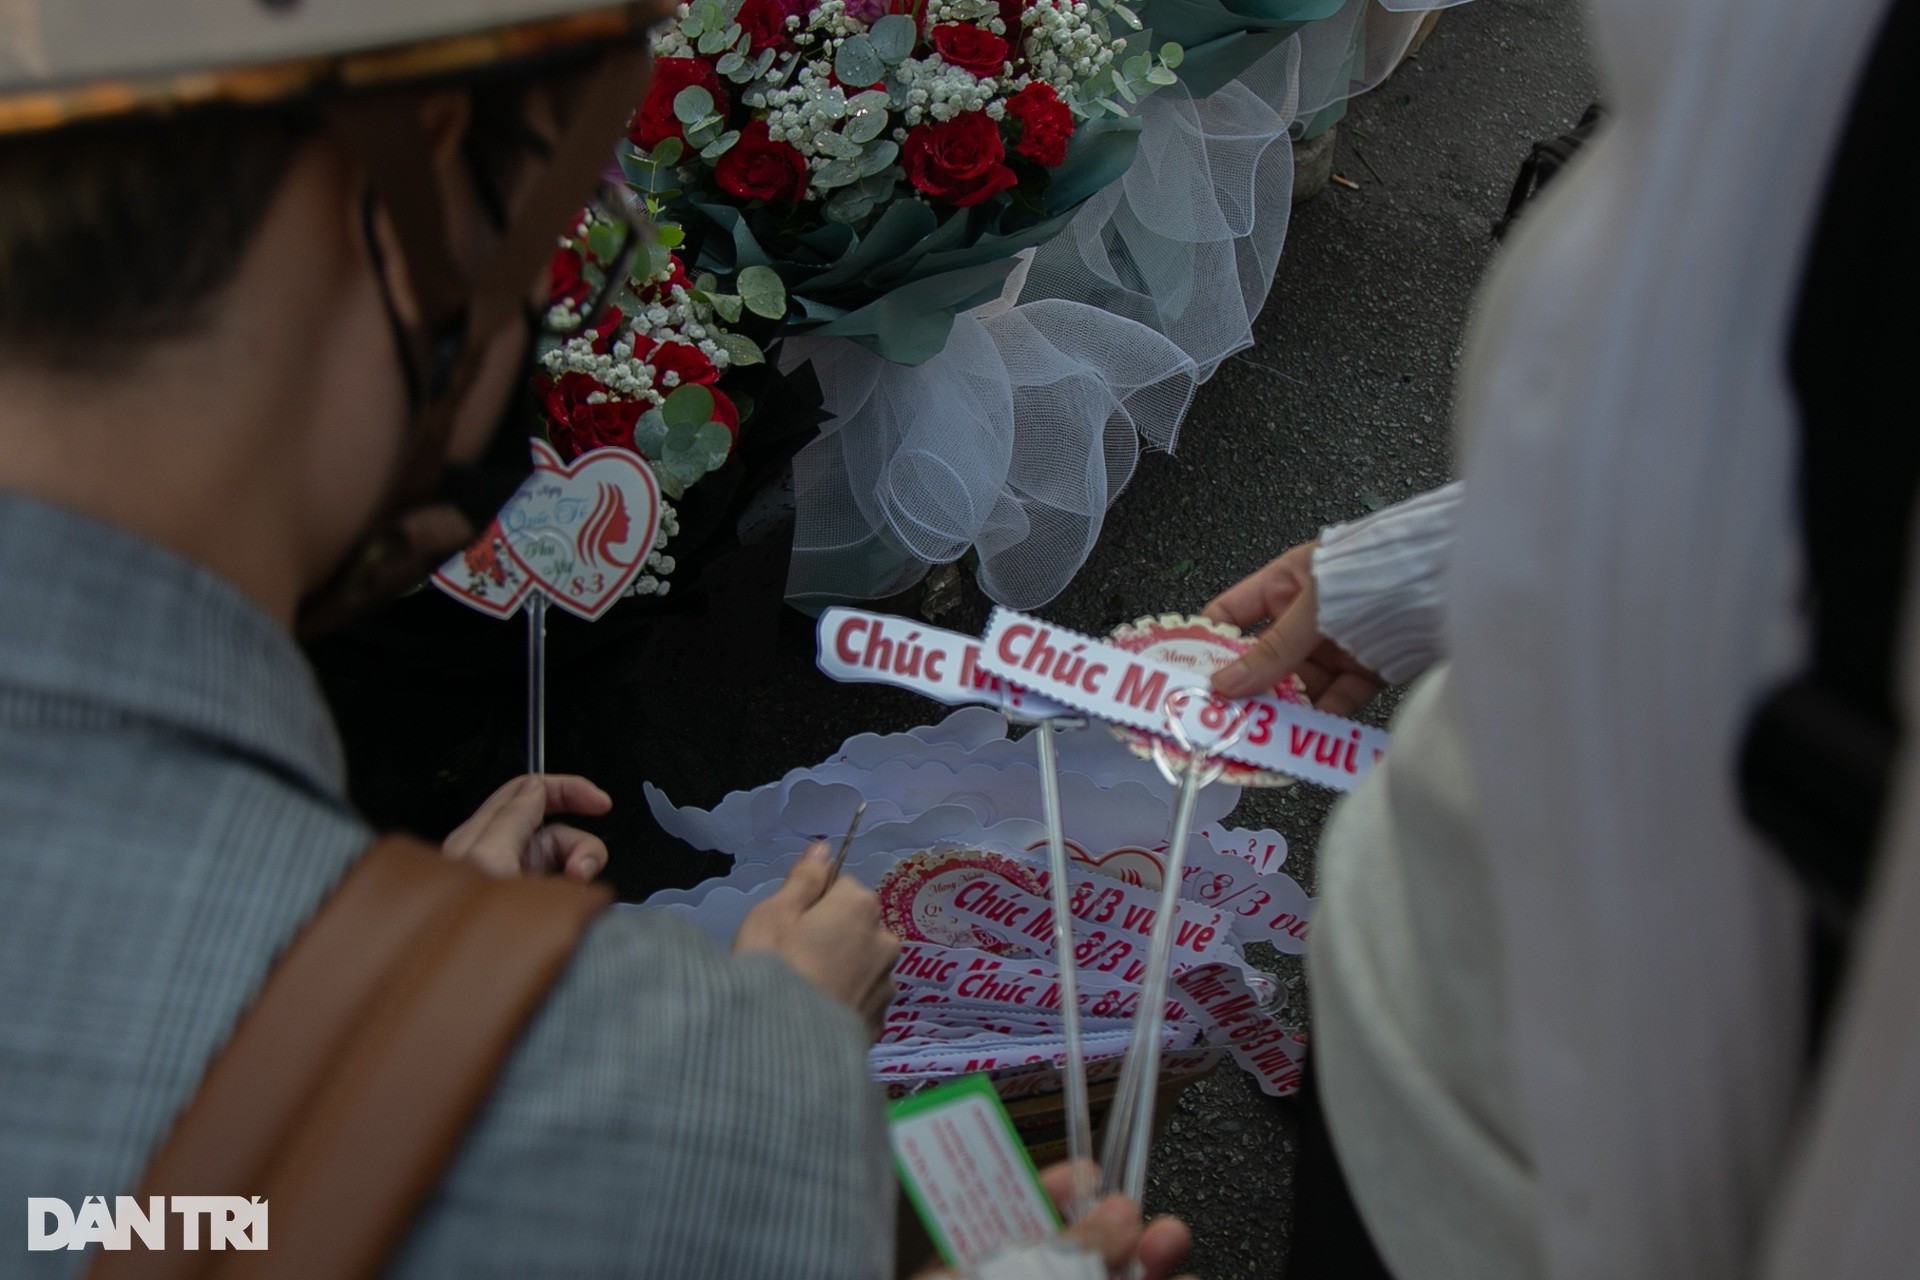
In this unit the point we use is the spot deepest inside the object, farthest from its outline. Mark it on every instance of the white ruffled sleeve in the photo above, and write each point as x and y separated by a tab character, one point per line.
1379	583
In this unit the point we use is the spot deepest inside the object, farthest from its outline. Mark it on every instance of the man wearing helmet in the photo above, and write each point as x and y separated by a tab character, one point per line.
263	272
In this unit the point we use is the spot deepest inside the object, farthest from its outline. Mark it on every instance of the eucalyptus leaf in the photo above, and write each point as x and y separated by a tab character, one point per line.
876	188
692	103
720	145
847	207
741	350
691	26
1125	90
1137	66
1172	54
764	62
877	158
763	291
651	263
836	173
603	242
893	38
712	42
866	126
706	282
650	434
731	10
712	444
668	235
856	63
653	179
686	406
730	64
726	306
839	146
1162	76
673	481
703	133
1128	16
710	14
669	151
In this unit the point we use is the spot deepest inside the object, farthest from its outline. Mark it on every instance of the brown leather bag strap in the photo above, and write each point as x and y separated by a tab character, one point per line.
347	1087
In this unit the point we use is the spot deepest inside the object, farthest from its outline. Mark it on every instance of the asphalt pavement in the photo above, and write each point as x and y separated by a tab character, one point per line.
1341	406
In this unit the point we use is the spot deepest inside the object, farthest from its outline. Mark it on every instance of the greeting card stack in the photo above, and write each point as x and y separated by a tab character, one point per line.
953	841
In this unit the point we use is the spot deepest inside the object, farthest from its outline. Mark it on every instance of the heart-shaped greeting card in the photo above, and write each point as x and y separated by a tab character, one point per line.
577	531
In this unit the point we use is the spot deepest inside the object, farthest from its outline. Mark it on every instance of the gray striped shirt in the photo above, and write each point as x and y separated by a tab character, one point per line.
172	811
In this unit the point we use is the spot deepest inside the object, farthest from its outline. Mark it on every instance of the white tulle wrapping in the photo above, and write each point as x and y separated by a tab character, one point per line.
1019	435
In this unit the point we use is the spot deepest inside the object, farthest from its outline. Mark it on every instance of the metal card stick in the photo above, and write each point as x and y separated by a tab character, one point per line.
1130	1119
530	860
1080	1195
536	682
1079	1122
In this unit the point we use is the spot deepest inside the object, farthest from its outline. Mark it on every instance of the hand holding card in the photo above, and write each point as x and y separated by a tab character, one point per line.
828	930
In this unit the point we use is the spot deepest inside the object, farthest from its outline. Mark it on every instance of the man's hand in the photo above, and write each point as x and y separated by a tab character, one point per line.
509	835
830	935
1284	592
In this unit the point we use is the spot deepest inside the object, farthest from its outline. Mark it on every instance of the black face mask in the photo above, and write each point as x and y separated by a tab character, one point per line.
437	361
478	489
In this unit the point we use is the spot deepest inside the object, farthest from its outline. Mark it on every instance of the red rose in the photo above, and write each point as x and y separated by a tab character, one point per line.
564	281
682	358
758	168
973	48
765	22
1045	124
959	161
608	327
576	426
676	275
655	122
725	413
1013	14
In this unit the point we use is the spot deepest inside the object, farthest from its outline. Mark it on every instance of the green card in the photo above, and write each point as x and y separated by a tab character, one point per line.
963	1167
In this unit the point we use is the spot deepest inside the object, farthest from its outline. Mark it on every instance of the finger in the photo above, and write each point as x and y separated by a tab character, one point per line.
1276	652
1058	1180
1111	1230
1264	593
502	843
1349	691
1163	1246
1314	679
460	840
874	1006
570	793
849	904
806	880
886	954
570	851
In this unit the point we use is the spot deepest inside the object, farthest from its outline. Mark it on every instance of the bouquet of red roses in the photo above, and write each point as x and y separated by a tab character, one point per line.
633	352
886	158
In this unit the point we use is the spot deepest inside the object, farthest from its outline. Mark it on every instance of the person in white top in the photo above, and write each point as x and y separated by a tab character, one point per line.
1558	980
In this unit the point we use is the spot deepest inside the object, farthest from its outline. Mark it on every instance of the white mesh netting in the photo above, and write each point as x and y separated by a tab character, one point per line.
1017	437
